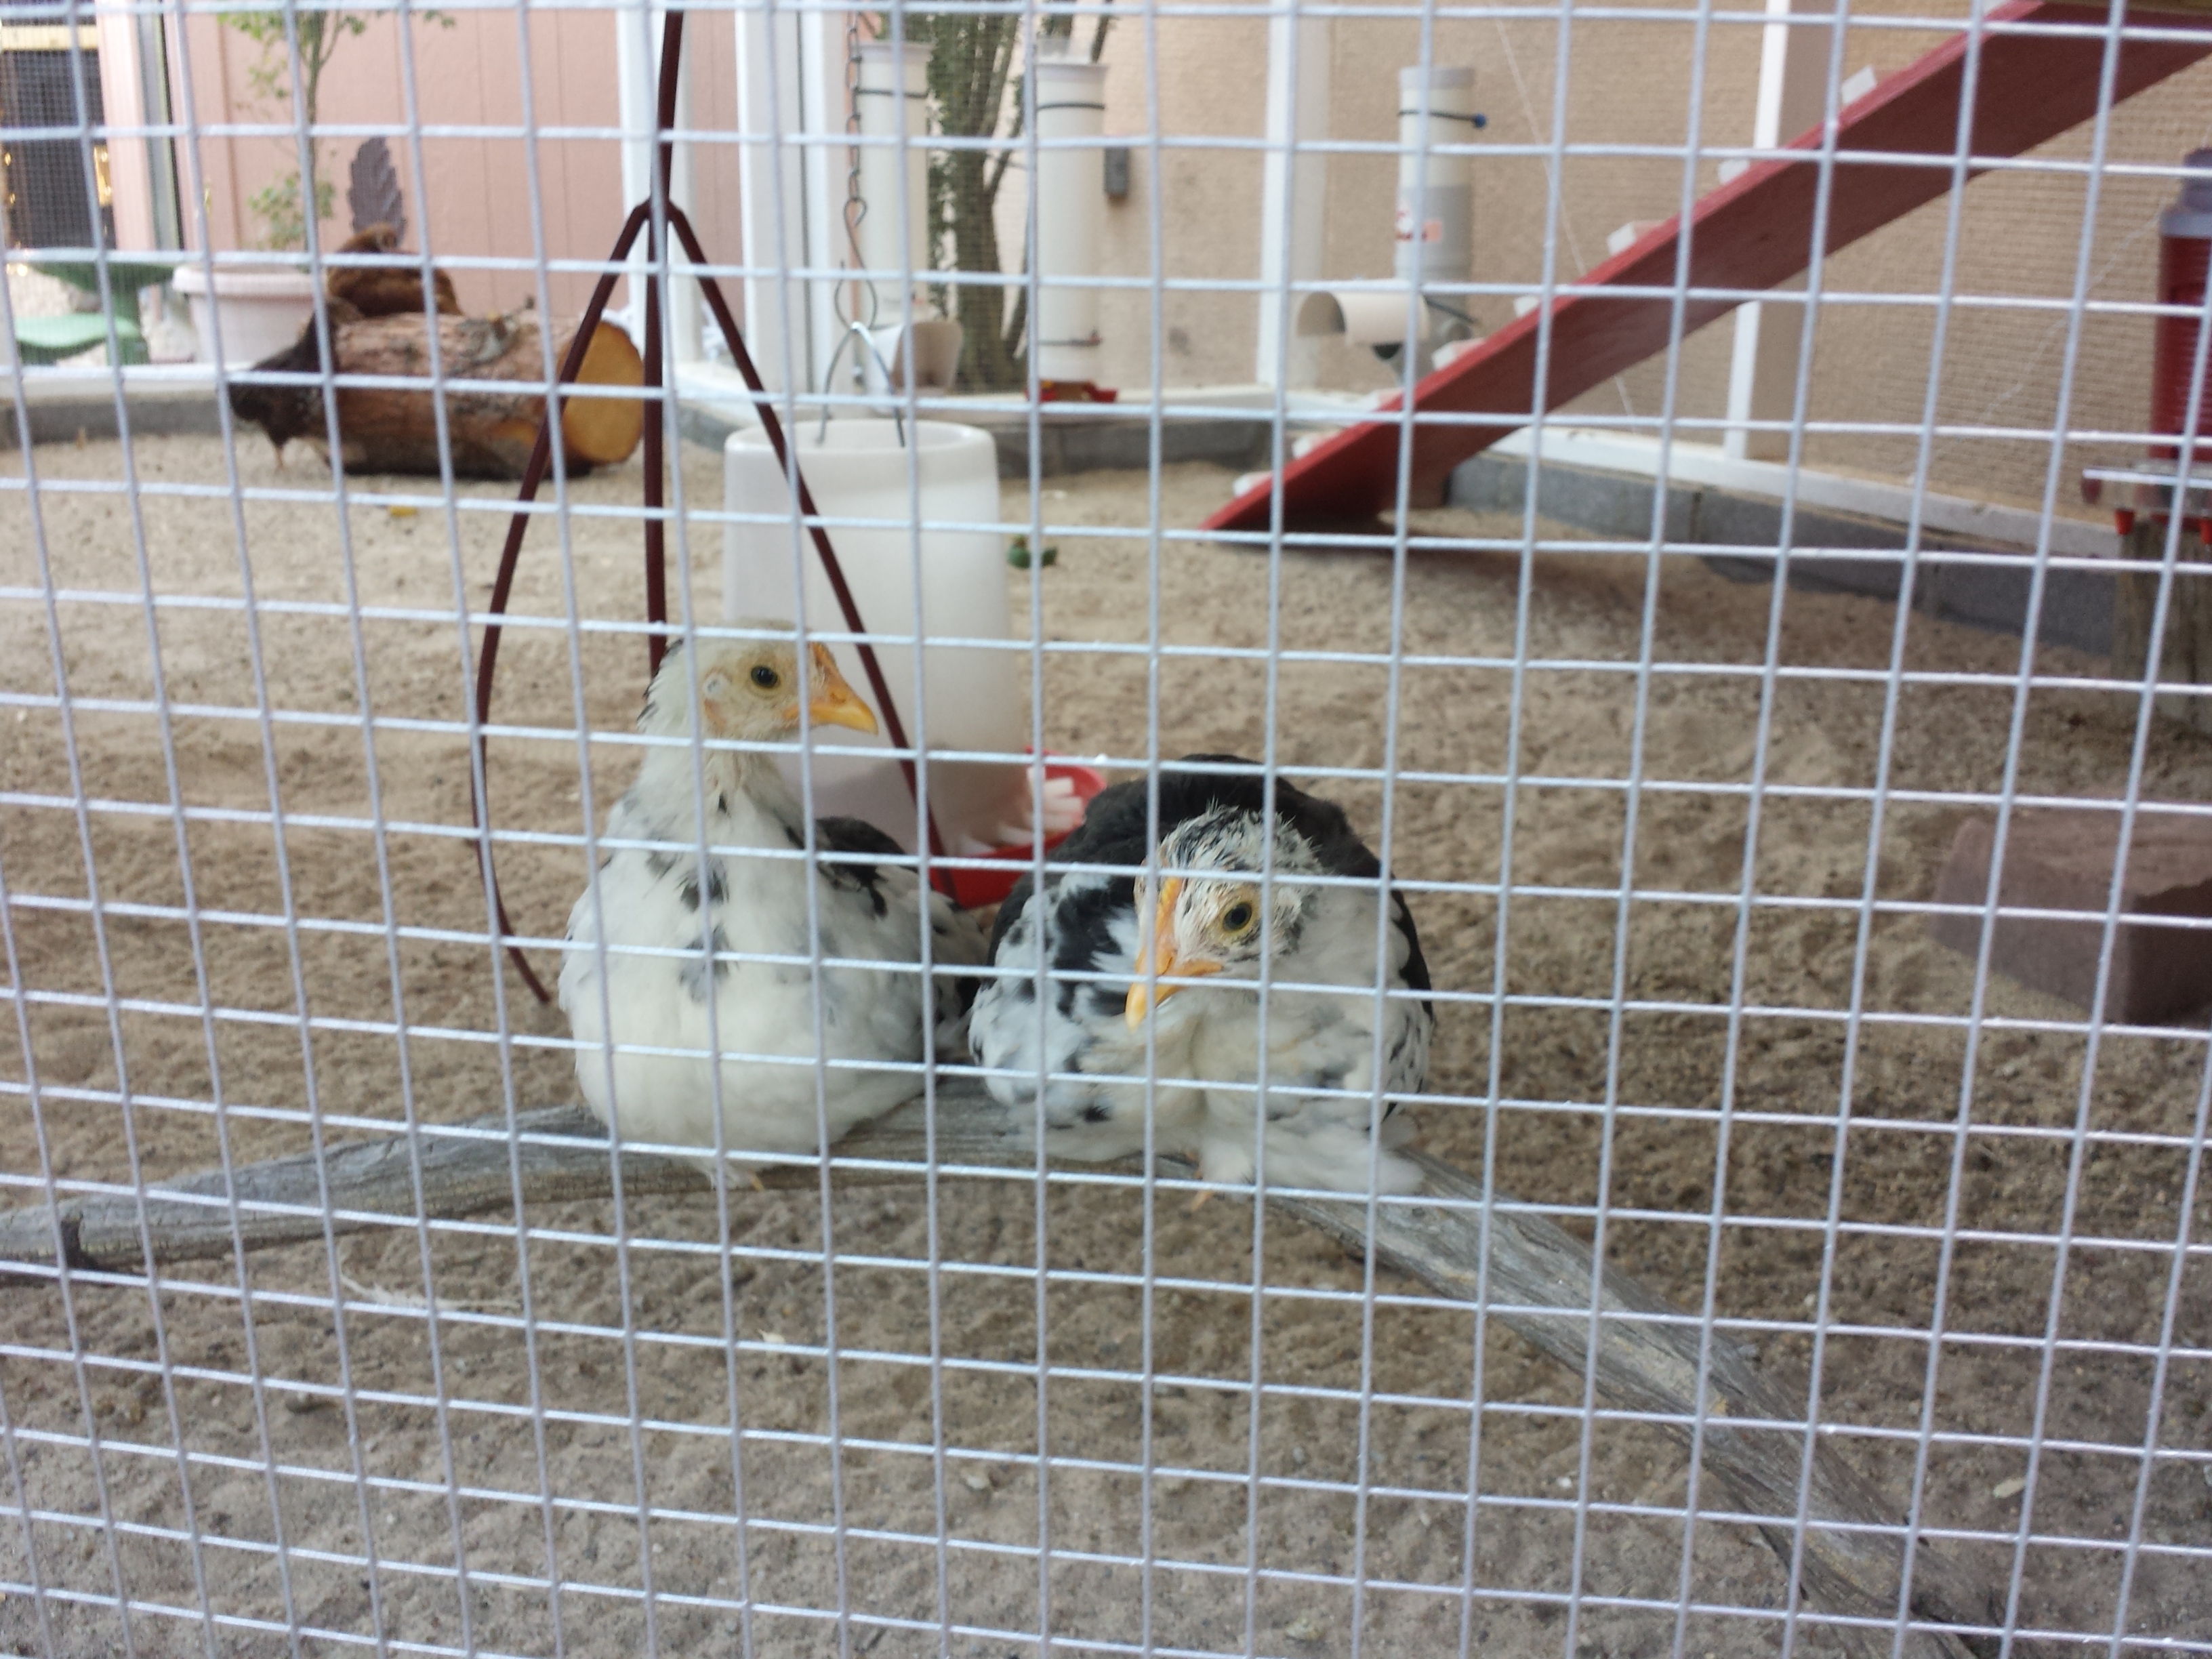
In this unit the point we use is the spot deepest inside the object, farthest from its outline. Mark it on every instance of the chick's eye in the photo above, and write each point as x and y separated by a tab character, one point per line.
1237	917
766	677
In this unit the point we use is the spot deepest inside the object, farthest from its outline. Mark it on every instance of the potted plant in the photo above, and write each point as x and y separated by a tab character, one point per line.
263	310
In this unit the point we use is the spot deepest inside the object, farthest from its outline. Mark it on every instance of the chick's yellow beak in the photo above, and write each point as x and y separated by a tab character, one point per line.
1165	962
837	703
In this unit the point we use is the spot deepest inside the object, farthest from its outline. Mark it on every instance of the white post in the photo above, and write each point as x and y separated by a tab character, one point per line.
137	166
1071	200
799	55
637	80
894	100
1435	194
1793	75
1294	187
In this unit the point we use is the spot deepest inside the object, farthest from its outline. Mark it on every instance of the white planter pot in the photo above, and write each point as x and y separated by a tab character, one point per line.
261	312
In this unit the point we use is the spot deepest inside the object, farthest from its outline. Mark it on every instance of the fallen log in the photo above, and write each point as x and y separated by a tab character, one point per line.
1755	1446
390	428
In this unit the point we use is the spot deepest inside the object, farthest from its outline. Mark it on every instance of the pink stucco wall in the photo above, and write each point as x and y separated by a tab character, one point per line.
471	76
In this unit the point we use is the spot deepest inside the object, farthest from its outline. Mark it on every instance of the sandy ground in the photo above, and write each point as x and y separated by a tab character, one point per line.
519	1458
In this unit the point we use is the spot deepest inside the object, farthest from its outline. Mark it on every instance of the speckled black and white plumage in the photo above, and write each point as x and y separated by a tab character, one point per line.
1207	1033
755	901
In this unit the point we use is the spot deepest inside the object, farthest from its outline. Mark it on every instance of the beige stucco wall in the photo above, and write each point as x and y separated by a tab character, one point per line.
2020	236
710	56
1628	82
478	193
1210	85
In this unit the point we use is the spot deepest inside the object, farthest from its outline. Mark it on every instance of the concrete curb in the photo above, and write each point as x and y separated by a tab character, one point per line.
1073	438
160	411
2077	604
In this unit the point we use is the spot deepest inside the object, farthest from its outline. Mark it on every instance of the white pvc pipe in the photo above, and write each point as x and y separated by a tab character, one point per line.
1293	190
892	96
637	75
1435	204
791	194
1793	94
1365	317
1070	198
1435	229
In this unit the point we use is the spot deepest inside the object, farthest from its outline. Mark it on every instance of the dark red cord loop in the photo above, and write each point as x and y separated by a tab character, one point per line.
641	220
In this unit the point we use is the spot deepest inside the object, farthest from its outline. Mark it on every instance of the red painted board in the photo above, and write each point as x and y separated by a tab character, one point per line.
1751	233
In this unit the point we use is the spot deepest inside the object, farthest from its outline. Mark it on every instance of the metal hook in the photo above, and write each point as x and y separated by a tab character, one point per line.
829	376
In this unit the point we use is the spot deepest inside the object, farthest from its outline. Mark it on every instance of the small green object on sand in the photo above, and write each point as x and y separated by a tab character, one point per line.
1018	554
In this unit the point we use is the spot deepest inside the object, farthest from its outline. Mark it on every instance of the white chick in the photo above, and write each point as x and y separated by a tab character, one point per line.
656	940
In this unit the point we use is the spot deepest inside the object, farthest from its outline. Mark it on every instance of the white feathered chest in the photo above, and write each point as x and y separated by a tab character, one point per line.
746	981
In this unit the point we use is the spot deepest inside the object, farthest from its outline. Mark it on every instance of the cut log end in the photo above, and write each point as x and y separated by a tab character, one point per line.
602	431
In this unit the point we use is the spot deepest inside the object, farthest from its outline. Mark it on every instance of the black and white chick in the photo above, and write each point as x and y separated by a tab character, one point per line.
1205	932
668	933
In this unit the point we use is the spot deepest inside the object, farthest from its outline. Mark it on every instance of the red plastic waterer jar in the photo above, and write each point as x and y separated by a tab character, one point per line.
2185	252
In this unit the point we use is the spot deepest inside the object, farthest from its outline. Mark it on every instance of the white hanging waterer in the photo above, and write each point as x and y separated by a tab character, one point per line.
972	681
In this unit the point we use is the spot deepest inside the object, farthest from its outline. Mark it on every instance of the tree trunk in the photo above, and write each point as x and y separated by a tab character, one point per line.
970	62
989	361
388	429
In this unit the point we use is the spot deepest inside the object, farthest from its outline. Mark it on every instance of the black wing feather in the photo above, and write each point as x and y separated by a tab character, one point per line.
839	834
847	834
1416	970
850	834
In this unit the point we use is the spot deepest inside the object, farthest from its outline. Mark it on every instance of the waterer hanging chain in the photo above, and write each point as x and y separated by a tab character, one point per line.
856	206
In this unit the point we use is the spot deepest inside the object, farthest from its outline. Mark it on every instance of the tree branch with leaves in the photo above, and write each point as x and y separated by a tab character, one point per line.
281	72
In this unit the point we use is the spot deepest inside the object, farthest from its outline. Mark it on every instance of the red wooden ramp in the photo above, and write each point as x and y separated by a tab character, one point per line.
1751	233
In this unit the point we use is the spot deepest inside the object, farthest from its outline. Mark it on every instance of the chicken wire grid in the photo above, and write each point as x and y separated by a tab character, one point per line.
407	1371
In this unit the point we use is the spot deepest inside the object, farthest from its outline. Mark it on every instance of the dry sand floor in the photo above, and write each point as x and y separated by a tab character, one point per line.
522	1458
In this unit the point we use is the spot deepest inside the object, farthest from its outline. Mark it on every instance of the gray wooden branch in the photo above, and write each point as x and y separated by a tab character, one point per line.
1645	1353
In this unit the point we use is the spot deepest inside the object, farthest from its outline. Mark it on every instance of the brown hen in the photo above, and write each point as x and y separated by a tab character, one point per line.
384	291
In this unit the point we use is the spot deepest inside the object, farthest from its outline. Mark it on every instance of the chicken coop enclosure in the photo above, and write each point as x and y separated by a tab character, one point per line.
1106	826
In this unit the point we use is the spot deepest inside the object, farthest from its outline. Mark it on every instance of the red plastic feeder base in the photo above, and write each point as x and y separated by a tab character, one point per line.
972	888
1075	391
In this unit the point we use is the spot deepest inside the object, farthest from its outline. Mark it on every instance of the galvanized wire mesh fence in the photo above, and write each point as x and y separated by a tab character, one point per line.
328	1321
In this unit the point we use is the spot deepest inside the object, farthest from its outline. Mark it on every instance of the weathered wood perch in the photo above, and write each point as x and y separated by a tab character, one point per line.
2186	652
491	431
1646	1352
